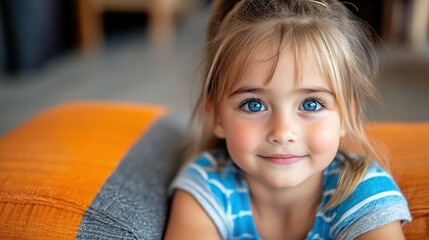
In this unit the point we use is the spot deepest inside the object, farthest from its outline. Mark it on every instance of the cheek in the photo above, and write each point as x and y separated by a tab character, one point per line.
324	138
241	138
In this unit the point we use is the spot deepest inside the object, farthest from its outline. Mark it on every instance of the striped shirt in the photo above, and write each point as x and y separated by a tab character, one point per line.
224	195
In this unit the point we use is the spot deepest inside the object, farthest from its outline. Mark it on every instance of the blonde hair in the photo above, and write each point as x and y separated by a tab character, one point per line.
321	29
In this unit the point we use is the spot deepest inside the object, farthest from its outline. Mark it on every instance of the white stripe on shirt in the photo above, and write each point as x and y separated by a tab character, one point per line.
200	170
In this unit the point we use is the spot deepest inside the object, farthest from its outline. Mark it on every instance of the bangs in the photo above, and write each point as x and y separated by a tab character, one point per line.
236	54
318	45
306	42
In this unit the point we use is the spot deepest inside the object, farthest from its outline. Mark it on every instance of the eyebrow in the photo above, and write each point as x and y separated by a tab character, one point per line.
257	90
316	90
242	90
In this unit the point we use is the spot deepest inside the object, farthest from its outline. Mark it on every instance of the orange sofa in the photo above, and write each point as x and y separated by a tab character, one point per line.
100	170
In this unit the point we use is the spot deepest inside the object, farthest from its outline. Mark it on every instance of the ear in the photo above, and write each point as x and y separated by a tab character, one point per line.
354	111
218	129
343	130
216	122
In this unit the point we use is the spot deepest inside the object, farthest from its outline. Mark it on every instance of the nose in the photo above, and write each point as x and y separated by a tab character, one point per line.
281	130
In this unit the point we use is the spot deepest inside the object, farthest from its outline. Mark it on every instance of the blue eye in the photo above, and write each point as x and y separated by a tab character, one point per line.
253	106
310	105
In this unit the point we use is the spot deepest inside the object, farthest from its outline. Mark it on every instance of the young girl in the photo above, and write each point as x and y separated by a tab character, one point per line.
285	82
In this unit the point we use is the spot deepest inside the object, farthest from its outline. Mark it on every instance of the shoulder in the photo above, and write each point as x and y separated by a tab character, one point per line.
376	187
213	182
375	202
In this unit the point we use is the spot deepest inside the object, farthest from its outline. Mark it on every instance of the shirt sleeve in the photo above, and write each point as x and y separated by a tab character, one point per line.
194	179
375	202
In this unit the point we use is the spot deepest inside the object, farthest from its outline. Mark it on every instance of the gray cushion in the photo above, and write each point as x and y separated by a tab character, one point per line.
133	202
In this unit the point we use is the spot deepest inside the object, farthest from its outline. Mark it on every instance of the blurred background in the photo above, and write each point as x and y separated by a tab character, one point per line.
148	51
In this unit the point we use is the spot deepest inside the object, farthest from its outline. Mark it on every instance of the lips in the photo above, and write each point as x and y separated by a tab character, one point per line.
280	159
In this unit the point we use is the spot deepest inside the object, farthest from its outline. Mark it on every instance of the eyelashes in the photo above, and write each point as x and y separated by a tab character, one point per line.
312	104
252	105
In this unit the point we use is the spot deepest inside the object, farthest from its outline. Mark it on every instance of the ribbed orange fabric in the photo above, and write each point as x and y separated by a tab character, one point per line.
407	144
52	167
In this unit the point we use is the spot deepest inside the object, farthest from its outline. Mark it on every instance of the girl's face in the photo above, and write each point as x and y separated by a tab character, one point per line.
280	133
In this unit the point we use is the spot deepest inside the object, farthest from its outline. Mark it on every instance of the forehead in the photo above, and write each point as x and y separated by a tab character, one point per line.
267	61
309	46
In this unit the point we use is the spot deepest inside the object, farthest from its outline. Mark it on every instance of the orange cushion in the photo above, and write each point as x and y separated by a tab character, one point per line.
407	144
52	167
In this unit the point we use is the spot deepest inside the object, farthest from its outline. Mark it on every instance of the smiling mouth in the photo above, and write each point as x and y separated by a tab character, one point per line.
282	159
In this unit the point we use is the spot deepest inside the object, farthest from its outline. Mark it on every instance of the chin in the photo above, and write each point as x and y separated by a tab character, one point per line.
281	183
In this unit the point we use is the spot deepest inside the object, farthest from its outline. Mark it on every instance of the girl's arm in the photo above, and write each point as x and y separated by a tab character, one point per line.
389	231
188	220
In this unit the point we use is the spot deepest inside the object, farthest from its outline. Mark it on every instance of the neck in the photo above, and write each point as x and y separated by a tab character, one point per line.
291	210
307	194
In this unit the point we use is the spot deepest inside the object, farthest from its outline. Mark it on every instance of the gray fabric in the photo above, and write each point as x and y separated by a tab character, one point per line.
133	203
376	219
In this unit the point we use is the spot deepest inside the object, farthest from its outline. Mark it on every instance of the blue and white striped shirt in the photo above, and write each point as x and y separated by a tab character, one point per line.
224	195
